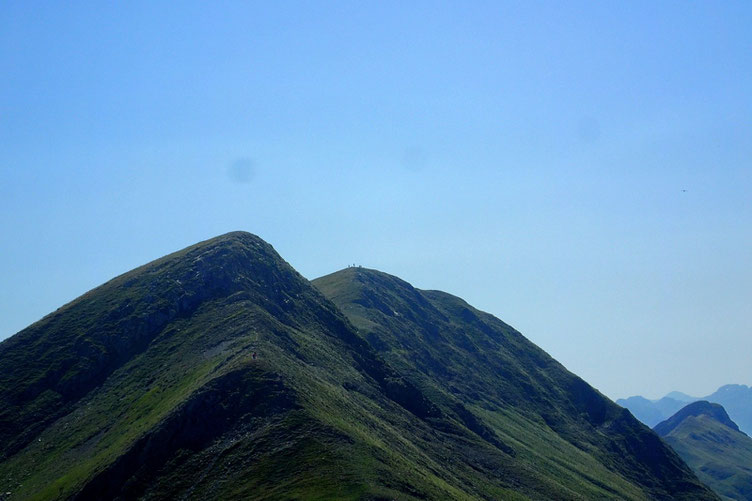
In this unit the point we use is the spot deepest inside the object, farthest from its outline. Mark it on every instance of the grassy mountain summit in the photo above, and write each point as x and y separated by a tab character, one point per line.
218	372
711	443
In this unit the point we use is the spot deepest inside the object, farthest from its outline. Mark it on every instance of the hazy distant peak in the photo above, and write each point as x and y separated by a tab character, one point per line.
736	399
633	398
732	388
682	397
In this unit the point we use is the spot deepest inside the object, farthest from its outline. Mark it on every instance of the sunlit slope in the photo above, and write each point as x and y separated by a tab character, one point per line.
713	446
558	430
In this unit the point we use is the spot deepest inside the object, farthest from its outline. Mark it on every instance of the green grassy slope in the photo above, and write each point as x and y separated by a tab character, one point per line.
146	387
712	445
561	432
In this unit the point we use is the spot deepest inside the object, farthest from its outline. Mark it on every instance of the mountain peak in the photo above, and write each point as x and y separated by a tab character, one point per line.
729	389
696	409
219	372
358	287
231	238
77	347
365	277
680	396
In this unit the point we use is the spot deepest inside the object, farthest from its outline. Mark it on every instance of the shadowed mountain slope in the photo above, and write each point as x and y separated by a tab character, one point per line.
147	387
706	438
562	433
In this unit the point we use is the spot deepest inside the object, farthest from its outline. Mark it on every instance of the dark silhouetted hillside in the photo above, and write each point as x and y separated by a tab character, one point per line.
566	436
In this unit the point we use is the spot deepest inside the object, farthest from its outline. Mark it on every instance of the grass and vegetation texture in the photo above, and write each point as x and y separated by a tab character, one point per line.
146	388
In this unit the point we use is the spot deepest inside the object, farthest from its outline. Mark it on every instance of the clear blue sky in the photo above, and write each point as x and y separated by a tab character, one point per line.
530	157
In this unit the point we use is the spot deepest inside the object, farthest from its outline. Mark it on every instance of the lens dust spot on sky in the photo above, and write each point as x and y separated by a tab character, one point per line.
414	159
588	129
242	170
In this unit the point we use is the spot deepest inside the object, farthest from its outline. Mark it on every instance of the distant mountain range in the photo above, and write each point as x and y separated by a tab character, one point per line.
711	443
219	372
736	399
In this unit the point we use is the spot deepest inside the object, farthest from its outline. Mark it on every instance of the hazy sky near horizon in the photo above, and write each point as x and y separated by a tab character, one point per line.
582	170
